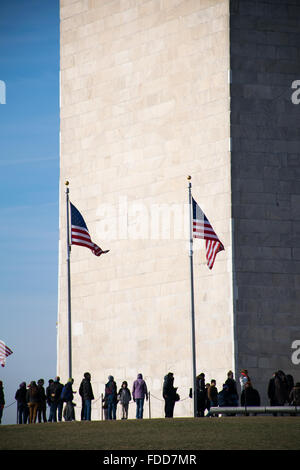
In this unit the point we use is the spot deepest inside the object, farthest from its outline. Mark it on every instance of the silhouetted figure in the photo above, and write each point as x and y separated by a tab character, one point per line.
201	392
111	397
22	408
86	392
250	397
169	394
2	400
42	402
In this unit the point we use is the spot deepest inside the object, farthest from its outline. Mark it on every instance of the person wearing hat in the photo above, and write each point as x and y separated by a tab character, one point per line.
244	378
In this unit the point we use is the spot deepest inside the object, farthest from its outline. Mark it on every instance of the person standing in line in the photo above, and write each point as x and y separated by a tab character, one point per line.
244	378
111	397
250	397
212	394
223	396
58	387
105	407
48	395
232	389
86	392
67	396
281	393
271	390
201	395
2	400
22	408
33	400
124	396
169	394
139	393
42	404
294	397
54	393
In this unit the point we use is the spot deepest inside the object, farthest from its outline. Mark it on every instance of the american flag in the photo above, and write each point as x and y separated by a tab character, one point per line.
80	234
203	229
5	351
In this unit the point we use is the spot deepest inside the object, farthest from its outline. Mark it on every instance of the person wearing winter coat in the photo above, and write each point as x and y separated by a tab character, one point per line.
294	397
250	396
201	391
281	394
67	396
271	390
86	393
232	389
139	393
124	397
169	394
22	408
2	400
54	393
42	404
212	394
33	400
60	404
111	397
223	396
244	378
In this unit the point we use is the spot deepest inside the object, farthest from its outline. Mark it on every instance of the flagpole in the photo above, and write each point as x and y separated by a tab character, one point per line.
192	302
69	281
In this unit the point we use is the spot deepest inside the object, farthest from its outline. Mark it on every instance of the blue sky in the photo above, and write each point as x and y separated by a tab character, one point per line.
29	185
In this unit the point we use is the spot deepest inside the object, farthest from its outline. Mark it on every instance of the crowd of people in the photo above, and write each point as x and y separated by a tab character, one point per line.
32	400
281	391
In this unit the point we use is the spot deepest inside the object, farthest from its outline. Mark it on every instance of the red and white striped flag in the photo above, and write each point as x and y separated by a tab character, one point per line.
203	229
5	351
80	234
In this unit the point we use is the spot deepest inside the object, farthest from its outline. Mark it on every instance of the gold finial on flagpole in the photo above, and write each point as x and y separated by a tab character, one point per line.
189	177
67	183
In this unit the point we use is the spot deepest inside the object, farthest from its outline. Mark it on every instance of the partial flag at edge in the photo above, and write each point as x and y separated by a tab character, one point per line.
5	351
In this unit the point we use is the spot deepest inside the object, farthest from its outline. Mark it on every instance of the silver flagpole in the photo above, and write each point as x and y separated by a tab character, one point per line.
69	281
192	301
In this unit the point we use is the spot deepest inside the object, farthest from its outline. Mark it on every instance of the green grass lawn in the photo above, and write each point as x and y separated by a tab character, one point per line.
226	433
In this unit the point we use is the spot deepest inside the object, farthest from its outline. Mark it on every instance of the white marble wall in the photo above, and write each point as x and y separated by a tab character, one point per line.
145	102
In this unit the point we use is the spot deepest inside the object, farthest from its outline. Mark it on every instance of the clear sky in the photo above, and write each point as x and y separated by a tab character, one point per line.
29	173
